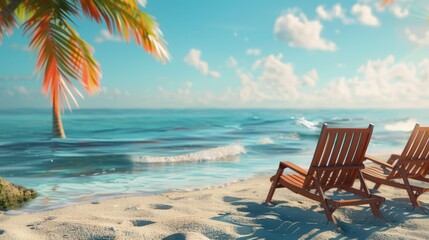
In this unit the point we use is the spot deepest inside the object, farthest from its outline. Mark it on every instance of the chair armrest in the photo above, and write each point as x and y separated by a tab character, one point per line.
384	164
294	167
393	158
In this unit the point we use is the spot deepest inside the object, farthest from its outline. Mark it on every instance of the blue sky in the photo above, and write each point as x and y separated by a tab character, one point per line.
248	53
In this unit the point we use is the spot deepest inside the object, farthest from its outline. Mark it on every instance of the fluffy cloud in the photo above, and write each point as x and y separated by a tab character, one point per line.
20	47
187	97
231	62
420	40
253	51
298	31
378	83
194	59
114	92
364	15
399	12
381	83
16	91
106	36
273	79
311	78
337	12
14	78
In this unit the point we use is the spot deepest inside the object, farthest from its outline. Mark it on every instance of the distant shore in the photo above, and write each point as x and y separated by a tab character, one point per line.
236	211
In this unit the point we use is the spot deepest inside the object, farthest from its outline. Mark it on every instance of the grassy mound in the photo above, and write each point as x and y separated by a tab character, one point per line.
12	196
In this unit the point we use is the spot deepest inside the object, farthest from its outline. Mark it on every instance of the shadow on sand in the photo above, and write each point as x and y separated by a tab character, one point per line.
294	220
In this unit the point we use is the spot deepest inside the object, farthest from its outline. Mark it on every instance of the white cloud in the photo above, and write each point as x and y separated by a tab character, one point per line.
106	36
20	47
276	81
337	12
365	15
114	93
253	51
381	83
14	78
22	90
298	31
311	78
341	65
18	90
399	8
194	59
378	83
414	38
231	62
323	13
399	12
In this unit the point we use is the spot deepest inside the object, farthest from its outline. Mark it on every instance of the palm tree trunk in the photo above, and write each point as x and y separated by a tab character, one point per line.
57	124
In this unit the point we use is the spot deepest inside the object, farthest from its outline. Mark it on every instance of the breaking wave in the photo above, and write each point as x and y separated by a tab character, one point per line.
210	154
265	140
301	121
405	125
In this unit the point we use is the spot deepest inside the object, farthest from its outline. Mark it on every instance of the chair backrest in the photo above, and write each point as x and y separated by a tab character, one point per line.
338	156
415	157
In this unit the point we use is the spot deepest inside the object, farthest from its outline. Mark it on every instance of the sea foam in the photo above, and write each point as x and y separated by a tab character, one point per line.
301	121
210	154
265	140
405	125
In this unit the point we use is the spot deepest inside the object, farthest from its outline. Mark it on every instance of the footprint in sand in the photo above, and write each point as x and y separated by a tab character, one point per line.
162	206
141	223
231	199
176	236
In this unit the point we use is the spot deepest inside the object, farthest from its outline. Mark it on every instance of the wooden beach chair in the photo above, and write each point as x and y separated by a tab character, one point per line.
337	163
413	163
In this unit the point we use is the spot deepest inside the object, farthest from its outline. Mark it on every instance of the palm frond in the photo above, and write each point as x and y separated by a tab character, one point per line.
123	17
62	54
7	17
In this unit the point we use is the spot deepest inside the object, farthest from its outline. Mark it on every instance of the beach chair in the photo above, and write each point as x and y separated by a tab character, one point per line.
337	163
412	164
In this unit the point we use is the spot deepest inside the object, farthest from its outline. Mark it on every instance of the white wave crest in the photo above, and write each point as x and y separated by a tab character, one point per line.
210	154
405	125
265	140
301	121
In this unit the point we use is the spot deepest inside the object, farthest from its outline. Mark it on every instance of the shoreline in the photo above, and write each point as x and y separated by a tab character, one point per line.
233	211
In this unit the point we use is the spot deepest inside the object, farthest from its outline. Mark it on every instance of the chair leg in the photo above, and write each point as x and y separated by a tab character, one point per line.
329	213
413	198
274	185
376	211
377	186
411	195
271	192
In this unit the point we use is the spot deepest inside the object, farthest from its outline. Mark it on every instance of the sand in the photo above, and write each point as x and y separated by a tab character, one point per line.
235	211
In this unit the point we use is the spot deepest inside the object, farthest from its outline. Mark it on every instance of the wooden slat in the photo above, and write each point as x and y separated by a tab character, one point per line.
424	155
410	142
320	147
334	157
411	168
342	156
360	154
352	151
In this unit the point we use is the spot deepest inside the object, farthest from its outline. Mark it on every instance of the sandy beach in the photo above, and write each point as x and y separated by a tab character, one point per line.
235	211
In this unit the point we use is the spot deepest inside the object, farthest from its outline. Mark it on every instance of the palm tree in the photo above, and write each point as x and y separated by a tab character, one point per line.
62	55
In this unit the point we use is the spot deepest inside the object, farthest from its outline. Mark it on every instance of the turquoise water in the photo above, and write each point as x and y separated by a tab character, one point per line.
115	153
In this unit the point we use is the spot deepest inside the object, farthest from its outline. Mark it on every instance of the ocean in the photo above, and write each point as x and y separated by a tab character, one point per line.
111	153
